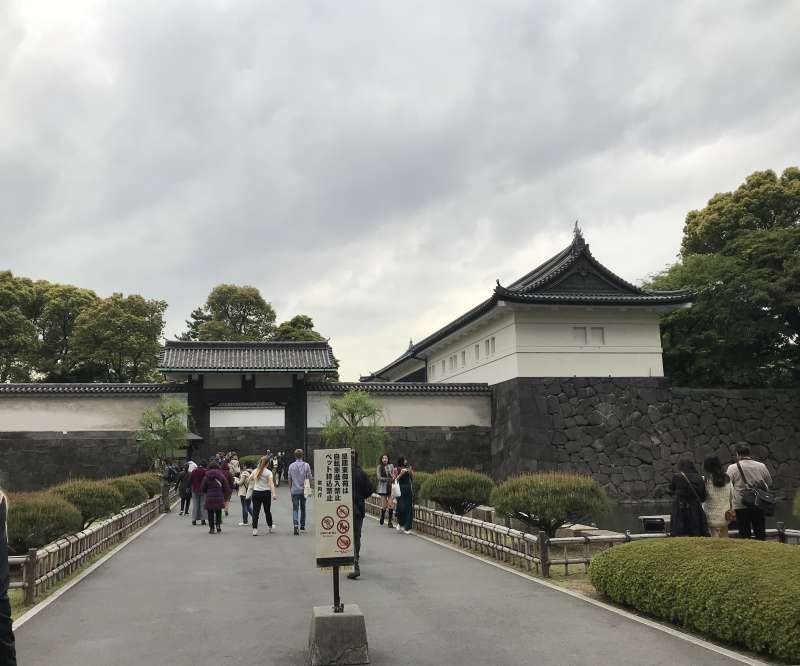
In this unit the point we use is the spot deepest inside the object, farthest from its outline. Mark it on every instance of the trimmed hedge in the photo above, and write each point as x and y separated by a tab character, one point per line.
549	500
36	519
457	490
148	481
418	479
253	460
132	491
94	499
742	592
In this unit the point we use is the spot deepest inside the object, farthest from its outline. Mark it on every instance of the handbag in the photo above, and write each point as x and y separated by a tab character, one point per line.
307	488
396	492
757	498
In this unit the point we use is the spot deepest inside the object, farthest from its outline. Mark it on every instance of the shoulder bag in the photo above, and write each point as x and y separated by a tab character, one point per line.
755	497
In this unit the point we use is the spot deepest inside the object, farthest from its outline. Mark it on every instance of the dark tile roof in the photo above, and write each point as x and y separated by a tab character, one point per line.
246	356
399	387
571	277
102	389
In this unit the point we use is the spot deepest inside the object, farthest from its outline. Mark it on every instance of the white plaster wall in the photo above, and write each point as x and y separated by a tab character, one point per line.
232	380
247	418
74	413
415	410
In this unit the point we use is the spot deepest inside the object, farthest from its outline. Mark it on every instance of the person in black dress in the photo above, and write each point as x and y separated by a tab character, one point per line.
688	494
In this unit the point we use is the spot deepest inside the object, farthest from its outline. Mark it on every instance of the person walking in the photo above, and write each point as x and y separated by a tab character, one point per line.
264	493
215	487
719	498
234	465
299	475
275	477
403	474
184	488
226	470
362	489
169	476
8	650
198	474
246	501
384	475
688	494
748	473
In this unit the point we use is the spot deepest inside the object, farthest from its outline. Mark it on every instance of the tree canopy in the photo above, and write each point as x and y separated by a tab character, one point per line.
299	328
356	422
232	312
741	254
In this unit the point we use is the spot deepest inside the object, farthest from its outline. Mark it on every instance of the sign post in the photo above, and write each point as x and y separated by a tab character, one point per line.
333	506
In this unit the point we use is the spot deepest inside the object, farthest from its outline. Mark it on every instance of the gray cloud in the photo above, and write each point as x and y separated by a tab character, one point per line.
376	166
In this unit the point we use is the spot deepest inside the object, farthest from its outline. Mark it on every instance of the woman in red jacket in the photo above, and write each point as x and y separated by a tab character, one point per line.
215	486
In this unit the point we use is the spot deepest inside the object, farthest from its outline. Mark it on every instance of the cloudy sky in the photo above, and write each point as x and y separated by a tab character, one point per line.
376	165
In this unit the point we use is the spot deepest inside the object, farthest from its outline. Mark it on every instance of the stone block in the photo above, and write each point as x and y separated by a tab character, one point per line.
338	639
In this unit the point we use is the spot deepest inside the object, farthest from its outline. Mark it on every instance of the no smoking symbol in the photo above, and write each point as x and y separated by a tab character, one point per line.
343	526
343	542
342	511
327	523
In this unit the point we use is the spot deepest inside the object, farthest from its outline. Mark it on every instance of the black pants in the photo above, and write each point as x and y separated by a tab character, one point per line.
751	521
185	502
358	523
262	498
8	652
214	518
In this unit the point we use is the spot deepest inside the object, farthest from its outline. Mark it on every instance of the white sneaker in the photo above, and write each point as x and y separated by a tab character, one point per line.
397	527
243	524
406	531
270	529
255	532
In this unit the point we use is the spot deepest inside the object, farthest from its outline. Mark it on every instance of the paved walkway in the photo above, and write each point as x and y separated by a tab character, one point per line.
179	596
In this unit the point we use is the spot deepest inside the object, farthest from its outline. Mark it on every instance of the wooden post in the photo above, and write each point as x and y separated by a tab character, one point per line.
30	577
544	553
781	532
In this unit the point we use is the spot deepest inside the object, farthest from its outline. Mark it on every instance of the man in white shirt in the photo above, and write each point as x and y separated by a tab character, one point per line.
743	473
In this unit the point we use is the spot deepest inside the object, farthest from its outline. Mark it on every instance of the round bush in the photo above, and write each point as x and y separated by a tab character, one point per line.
742	592
148	481
253	460
457	490
419	479
94	499
132	491
36	519
548	501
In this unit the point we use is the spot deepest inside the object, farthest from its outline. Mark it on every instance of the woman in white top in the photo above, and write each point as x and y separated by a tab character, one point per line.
263	485
719	497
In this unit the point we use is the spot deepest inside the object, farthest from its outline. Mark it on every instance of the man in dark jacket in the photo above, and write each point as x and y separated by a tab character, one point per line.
362	489
8	652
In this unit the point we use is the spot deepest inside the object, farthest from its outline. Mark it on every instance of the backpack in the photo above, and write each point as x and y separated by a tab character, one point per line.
172	474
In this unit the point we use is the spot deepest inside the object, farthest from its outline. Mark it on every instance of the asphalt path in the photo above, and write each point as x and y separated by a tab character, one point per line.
179	596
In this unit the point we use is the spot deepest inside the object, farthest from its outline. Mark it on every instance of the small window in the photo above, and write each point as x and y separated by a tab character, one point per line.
579	335
492	345
486	348
463	358
598	335
477	352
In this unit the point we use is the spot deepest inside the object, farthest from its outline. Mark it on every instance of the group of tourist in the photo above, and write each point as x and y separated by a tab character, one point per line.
705	505
396	492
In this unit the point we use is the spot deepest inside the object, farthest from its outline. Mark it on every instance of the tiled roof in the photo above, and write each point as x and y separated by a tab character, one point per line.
398	387
245	356
571	277
103	389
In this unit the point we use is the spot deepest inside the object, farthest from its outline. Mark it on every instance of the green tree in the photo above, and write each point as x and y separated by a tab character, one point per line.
741	254
356	422
243	311
18	340
120	335
299	328
198	317
162	430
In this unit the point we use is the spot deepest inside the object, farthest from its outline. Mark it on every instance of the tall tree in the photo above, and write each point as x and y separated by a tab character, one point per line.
356	421
17	333
198	317
121	336
231	312
741	253
299	328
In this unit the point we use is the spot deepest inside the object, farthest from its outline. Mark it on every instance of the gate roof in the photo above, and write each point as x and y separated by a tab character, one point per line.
179	356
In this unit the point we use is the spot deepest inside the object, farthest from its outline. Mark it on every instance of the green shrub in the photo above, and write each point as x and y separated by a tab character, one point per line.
548	501
94	499
36	519
418	479
132	491
148	480
742	592
253	460
457	490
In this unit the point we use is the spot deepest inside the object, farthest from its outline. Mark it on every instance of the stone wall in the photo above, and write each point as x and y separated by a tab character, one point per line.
429	448
630	433
248	441
36	460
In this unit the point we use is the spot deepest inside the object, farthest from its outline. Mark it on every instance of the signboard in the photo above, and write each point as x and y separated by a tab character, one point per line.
333	507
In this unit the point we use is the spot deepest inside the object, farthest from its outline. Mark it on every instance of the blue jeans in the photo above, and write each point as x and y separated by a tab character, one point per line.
246	508
299	509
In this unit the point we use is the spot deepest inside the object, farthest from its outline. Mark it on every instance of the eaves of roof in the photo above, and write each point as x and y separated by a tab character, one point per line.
90	388
425	388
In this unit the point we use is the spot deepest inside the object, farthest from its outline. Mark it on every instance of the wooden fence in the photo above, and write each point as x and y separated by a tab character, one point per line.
530	551
41	569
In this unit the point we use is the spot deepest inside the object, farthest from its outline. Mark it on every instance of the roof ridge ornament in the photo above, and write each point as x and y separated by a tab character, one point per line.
578	242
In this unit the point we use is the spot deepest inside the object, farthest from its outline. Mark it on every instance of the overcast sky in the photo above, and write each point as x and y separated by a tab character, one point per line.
375	165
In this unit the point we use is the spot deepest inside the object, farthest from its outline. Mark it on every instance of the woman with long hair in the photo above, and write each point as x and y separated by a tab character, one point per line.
688	494
384	476
402	473
719	497
215	486
263	485
8	651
